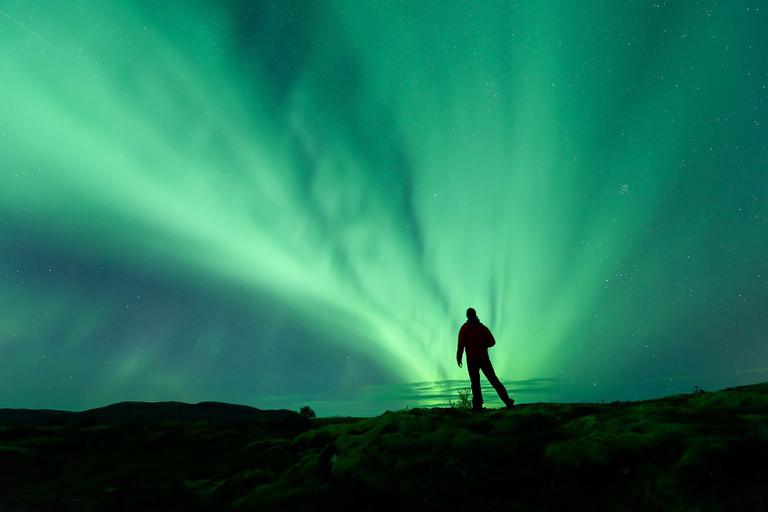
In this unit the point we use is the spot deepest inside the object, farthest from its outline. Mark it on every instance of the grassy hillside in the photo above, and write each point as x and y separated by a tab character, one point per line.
704	451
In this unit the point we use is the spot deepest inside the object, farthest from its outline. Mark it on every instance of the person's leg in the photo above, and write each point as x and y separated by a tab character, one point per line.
490	374
473	367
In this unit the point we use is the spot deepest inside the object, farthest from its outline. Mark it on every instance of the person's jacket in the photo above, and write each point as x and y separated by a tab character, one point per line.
475	338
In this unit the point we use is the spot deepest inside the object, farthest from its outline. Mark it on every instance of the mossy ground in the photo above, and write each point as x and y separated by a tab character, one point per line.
704	451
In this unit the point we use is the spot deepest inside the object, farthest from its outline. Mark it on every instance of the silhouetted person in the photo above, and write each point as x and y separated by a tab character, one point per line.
476	339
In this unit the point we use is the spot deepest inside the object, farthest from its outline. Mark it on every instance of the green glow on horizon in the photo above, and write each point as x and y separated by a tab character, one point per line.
533	160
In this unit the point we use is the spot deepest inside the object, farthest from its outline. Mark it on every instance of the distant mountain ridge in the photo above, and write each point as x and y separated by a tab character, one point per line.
144	413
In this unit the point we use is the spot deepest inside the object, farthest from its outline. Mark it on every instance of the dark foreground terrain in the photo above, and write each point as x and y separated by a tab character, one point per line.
698	452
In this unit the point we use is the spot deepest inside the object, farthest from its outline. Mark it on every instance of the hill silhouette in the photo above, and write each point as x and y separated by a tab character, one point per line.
703	452
141	413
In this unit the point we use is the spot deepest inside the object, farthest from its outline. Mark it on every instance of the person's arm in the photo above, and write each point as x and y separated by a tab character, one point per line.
460	351
491	340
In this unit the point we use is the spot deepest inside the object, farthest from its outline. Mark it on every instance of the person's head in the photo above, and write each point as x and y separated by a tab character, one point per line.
471	313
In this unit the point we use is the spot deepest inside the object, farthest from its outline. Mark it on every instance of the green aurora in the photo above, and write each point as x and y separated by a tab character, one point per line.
248	200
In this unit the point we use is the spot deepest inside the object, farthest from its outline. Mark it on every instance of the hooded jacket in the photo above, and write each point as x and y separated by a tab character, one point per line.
475	338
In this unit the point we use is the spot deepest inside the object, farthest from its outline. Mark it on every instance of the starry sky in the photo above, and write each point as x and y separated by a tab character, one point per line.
294	202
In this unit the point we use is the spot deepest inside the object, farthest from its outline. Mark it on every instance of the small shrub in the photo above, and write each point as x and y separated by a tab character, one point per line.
307	413
464	402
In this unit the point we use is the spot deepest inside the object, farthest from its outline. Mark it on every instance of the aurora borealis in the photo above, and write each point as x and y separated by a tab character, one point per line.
280	203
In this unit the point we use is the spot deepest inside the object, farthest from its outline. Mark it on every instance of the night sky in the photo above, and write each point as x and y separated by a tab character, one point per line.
293	203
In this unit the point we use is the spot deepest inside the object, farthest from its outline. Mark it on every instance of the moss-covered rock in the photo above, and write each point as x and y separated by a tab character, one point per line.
704	451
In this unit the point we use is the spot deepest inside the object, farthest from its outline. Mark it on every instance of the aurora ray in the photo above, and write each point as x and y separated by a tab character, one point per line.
590	178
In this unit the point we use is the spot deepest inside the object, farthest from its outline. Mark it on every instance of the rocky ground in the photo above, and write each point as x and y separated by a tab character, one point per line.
697	452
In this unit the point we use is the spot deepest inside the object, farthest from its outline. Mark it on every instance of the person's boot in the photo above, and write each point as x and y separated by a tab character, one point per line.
510	403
